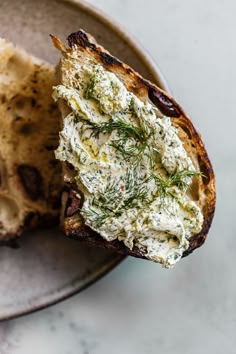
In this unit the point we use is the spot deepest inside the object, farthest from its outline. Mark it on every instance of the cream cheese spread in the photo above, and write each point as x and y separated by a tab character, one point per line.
130	165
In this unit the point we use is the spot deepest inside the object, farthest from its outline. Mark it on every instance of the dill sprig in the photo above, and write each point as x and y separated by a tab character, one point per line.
138	197
126	129
132	140
132	151
178	179
115	200
98	217
133	193
162	184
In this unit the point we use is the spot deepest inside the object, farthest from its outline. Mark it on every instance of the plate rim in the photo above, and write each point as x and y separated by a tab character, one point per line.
64	293
113	261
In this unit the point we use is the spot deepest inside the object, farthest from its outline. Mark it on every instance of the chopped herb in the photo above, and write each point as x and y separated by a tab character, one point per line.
90	88
76	118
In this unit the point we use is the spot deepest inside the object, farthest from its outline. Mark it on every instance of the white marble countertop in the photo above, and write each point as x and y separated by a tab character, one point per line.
139	307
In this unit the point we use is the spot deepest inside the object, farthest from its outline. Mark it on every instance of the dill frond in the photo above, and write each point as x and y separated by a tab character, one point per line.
132	141
97	217
179	178
162	185
115	200
126	129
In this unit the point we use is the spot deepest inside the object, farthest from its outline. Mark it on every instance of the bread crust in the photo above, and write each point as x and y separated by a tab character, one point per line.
204	190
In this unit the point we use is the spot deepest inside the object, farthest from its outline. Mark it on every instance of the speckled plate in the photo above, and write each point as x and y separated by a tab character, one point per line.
48	267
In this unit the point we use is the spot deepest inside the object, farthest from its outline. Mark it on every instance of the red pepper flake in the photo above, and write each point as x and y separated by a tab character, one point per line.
122	188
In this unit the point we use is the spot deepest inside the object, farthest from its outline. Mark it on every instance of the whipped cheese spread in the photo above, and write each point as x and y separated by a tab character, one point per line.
130	165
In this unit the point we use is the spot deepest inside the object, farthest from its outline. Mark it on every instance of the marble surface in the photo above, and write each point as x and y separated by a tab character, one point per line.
140	307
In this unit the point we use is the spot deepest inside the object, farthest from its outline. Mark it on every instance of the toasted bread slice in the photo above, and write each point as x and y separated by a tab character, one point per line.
84	48
30	177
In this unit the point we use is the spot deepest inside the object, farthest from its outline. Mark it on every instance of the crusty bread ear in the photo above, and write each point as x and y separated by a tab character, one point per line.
202	189
30	177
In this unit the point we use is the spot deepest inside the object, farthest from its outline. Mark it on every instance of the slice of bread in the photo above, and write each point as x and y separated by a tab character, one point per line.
84	48
30	177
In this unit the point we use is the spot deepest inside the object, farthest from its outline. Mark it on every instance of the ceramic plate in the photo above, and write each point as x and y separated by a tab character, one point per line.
47	267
